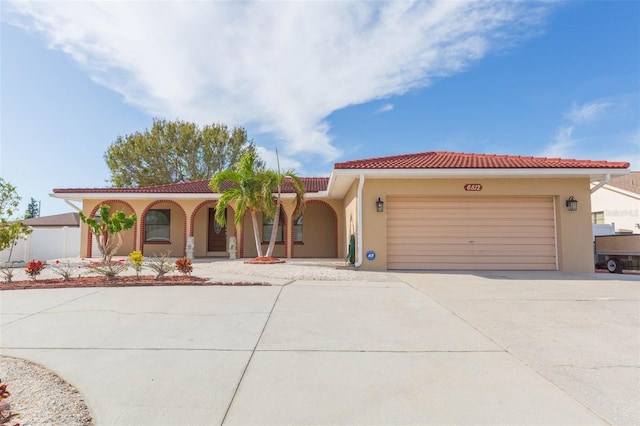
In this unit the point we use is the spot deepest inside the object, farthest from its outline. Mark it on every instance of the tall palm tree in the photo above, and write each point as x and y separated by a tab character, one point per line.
274	180
246	190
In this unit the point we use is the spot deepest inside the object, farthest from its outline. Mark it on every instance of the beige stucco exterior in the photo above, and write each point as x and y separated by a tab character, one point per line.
331	219
321	231
575	251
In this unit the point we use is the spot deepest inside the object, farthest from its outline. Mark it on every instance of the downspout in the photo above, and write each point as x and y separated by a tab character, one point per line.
359	195
76	208
602	183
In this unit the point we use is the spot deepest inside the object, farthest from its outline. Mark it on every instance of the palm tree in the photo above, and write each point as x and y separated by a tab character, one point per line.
273	182
246	190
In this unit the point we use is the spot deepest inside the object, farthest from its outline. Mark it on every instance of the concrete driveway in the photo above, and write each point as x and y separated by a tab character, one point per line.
411	348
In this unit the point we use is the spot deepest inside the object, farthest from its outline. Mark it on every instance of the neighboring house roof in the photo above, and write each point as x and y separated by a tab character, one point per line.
311	185
64	219
630	182
455	160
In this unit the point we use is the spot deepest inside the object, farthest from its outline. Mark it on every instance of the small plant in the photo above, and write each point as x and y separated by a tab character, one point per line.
64	269
8	272
5	409
184	266
136	259
34	268
109	270
161	265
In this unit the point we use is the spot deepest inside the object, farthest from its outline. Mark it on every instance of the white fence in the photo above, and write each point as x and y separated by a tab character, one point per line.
46	244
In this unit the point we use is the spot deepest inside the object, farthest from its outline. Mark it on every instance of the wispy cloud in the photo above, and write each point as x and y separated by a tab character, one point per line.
587	112
282	67
385	108
562	145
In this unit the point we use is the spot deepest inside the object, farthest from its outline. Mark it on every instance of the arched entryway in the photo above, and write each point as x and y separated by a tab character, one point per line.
210	238
315	234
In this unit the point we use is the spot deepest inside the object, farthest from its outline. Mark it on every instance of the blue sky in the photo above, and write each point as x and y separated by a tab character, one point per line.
320	81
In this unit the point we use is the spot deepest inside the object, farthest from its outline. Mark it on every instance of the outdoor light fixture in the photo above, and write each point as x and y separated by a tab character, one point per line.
379	205
572	205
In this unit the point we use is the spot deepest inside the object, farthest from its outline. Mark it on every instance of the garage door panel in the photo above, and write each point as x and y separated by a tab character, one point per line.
447	239
480	250
425	213
472	221
471	233
471	266
423	232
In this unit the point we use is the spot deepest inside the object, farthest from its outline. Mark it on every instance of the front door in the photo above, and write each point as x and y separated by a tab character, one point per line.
217	234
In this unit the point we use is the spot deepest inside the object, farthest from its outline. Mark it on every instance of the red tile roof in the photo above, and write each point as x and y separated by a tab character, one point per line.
312	184
455	160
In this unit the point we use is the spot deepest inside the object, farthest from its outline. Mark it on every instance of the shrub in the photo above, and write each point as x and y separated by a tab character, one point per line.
110	270
34	268
184	266
8	272
136	259
64	269
161	265
5	409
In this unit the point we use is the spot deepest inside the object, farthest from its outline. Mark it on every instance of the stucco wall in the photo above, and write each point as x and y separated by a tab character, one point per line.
319	231
575	250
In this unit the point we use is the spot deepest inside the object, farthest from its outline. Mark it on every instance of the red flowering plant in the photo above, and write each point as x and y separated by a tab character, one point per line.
34	268
5	408
184	266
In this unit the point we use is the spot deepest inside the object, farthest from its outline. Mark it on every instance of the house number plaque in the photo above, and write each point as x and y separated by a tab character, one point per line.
473	187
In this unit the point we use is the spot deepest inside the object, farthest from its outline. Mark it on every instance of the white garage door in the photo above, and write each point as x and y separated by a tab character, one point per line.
491	233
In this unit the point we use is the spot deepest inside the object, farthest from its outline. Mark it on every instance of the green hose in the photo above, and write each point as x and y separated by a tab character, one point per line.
351	257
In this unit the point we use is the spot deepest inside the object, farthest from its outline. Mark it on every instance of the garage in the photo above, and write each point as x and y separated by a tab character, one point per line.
471	233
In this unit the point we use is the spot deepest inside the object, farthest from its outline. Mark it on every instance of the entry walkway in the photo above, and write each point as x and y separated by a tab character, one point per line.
417	349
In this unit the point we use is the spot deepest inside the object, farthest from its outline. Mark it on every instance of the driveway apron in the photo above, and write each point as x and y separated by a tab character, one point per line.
310	352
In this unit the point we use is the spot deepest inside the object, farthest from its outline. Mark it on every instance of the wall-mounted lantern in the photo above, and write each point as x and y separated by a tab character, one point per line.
379	205
572	204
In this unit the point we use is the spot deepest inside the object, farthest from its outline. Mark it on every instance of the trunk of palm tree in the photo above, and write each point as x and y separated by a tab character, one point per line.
256	234
274	228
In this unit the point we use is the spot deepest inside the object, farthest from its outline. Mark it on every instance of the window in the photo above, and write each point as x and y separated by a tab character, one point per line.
267	226
157	224
297	230
597	217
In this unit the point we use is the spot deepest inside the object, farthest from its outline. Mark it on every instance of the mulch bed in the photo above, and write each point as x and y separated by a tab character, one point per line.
123	281
264	260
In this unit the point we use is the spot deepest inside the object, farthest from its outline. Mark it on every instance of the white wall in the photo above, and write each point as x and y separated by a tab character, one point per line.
46	244
620	207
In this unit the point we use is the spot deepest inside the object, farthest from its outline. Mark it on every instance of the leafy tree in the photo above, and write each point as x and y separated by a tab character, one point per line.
175	151
273	182
247	181
107	229
10	230
33	209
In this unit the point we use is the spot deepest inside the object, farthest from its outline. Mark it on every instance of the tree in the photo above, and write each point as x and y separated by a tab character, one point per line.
175	151
33	209
107	229
11	230
246	180
274	182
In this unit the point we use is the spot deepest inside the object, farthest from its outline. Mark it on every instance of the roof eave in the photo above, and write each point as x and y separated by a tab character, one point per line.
341	179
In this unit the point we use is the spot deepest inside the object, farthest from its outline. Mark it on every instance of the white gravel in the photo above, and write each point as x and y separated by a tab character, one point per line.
225	270
40	396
